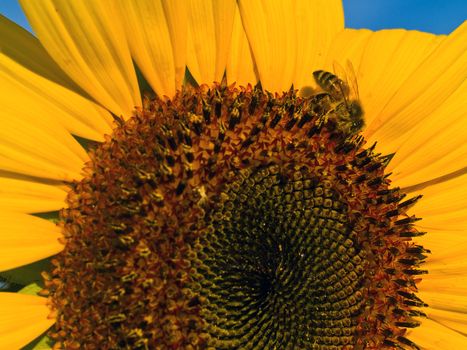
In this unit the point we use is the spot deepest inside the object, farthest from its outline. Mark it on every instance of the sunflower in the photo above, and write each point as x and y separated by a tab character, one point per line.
194	175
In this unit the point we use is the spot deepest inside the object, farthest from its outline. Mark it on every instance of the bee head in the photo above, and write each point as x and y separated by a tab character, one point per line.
355	110
356	115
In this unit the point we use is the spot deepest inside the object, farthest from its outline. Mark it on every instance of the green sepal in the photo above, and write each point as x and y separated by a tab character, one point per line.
27	274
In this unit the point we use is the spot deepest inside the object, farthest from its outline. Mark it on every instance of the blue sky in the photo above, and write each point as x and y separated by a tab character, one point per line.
435	16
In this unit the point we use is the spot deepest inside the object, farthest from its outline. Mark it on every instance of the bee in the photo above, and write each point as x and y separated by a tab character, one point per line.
346	113
318	106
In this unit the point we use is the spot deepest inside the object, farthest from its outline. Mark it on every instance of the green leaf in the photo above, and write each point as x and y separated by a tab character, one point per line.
188	79
31	289
53	216
143	84
88	145
27	274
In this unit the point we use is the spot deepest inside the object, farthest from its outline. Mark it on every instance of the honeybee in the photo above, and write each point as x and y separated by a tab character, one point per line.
346	113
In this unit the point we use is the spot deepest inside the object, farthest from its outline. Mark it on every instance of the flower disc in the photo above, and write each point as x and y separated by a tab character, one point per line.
229	218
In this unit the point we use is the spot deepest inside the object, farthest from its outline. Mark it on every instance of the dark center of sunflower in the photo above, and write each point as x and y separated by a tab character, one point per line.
229	218
280	260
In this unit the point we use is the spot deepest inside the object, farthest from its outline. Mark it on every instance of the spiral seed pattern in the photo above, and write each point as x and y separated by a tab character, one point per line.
278	266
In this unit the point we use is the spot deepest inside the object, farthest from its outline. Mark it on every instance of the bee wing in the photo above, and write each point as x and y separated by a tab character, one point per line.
352	81
349	78
340	72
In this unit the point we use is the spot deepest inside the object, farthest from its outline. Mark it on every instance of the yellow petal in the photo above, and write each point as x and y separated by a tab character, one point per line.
442	198
23	318
443	208
348	45
437	147
87	40
317	23
455	220
240	67
287	54
25	63
447	261
450	267
34	144
30	196
445	284
210	25
425	89
273	41
445	245
388	59
455	320
444	301
32	92
444	287
150	36
433	336
23	48
25	239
